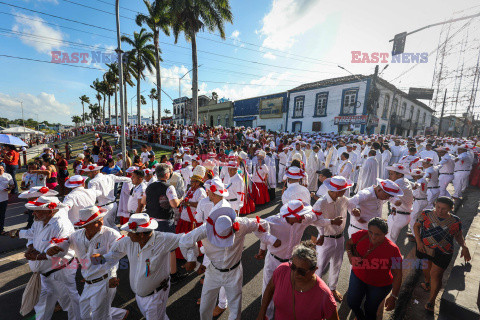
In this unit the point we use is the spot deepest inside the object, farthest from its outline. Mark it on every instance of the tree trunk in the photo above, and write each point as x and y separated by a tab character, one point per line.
103	110
83	114
125	102
138	98
194	80
159	80
109	112
116	106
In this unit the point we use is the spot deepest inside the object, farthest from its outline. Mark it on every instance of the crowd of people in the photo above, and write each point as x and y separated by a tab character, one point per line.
192	204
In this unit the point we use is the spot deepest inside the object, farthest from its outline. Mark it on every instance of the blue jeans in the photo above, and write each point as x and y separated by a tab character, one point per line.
3	210
12	170
358	290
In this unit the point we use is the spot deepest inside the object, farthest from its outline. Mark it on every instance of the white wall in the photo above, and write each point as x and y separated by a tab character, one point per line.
334	105
273	124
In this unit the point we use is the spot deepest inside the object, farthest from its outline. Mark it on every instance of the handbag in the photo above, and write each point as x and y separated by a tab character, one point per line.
31	295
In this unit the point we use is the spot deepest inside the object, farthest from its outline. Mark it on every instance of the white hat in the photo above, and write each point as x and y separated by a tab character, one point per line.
417	172
294	173
140	222
397	167
92	167
427	160
198	173
390	187
337	183
75	181
261	153
149	171
211	155
243	155
297	156
295	209
221	227
218	188
131	169
232	164
44	203
80	156
90	214
36	192
195	158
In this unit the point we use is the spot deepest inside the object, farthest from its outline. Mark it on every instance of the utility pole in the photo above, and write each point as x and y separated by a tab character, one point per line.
120	77
441	115
372	98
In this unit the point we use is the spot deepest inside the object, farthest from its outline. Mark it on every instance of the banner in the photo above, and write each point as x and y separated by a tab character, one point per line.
270	108
360	119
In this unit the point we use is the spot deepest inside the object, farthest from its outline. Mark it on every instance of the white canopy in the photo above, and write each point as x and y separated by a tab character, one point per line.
21	130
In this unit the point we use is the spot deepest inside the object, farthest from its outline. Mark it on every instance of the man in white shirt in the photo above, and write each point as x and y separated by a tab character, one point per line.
463	166
331	156
399	216
445	171
57	275
144	155
311	168
345	167
431	174
368	172
79	197
323	175
235	187
295	191
6	185
429	153
223	238
282	163
135	203
100	280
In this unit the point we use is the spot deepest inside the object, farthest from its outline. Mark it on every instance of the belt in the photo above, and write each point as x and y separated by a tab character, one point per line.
420	198
105	276
433	187
279	259
229	269
401	212
461	170
282	164
448	173
46	274
163	286
351	225
235	199
336	236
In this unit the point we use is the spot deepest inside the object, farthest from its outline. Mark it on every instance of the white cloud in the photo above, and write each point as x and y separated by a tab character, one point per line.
235	34
287	20
44	104
170	78
270	56
39	29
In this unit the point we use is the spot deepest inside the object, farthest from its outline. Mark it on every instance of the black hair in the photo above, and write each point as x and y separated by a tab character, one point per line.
379	223
139	173
447	200
327	173
376	145
296	163
346	155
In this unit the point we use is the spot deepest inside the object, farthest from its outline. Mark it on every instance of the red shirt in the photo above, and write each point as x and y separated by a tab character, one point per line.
323	307
375	269
15	156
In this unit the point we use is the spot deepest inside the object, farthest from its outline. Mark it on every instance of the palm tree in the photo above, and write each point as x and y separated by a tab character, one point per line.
167	112
153	95
112	78
94	112
103	92
84	99
143	56
96	85
128	72
190	17
86	116
76	120
158	19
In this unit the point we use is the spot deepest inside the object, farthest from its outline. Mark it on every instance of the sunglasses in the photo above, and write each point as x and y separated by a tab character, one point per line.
300	271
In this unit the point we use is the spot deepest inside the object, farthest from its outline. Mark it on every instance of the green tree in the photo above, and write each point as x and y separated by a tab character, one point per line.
97	86
84	99
193	16
157	19
76	120
94	112
112	78
153	95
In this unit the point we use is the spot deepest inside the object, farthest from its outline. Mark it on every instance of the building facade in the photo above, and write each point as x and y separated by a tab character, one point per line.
183	109
216	114
267	112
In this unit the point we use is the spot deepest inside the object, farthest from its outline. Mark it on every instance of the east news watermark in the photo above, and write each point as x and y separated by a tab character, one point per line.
385	57
86	57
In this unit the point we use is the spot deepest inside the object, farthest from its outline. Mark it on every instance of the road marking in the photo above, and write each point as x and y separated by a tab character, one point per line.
13	290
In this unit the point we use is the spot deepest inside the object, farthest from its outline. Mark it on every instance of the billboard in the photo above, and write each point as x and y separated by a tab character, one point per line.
360	119
420	93
270	108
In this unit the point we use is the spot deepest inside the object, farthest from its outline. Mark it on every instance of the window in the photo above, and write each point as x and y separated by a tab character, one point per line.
227	120
411	112
386	104
218	120
394	106
297	126
349	102
404	110
316	126
321	104
298	107
418	116
424	117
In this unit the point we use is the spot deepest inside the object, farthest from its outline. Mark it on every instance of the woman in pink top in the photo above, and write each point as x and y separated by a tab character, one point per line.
297	292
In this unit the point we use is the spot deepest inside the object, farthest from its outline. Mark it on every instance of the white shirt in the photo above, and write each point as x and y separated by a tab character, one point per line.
407	198
236	191
78	199
155	254
106	184
144	156
84	249
204	207
260	174
429	154
420	193
136	194
295	191
368	203
5	181
431	174
224	258
330	210
197	195
322	190
345	169
447	165
40	236
187	173
464	162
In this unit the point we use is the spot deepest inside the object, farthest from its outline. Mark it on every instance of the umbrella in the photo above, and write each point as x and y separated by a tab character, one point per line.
8	139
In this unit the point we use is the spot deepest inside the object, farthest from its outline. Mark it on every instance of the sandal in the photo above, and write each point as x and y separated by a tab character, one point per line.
425	286
429	307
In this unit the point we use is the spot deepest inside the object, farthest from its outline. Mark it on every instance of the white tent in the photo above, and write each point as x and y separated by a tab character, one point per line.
21	131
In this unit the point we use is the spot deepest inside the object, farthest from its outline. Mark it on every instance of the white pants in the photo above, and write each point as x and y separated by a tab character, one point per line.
352	230
330	252
418	206
396	222
432	195
154	307
96	301
460	182
270	265
222	297
443	181
58	286
281	172
232	282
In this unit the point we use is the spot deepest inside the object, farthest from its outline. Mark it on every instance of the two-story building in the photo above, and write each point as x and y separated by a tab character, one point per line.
183	109
267	112
216	113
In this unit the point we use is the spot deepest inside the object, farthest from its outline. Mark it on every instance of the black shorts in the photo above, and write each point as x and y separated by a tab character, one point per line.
440	259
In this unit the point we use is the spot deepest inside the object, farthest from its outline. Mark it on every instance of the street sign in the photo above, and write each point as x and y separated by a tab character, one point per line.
399	43
420	93
360	119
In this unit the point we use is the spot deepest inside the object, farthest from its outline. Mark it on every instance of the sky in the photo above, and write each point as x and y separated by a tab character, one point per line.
271	46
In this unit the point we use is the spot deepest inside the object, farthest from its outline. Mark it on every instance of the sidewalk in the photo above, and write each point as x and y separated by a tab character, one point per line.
460	281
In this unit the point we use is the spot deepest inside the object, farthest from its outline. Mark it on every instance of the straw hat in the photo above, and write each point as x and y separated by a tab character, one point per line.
75	181
294	173
218	188
140	222
36	192
221	227
92	167
295	209
390	187
337	183
90	214
44	203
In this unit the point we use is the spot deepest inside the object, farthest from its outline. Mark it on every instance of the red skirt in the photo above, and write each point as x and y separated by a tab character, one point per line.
260	193
475	176
248	204
184	227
